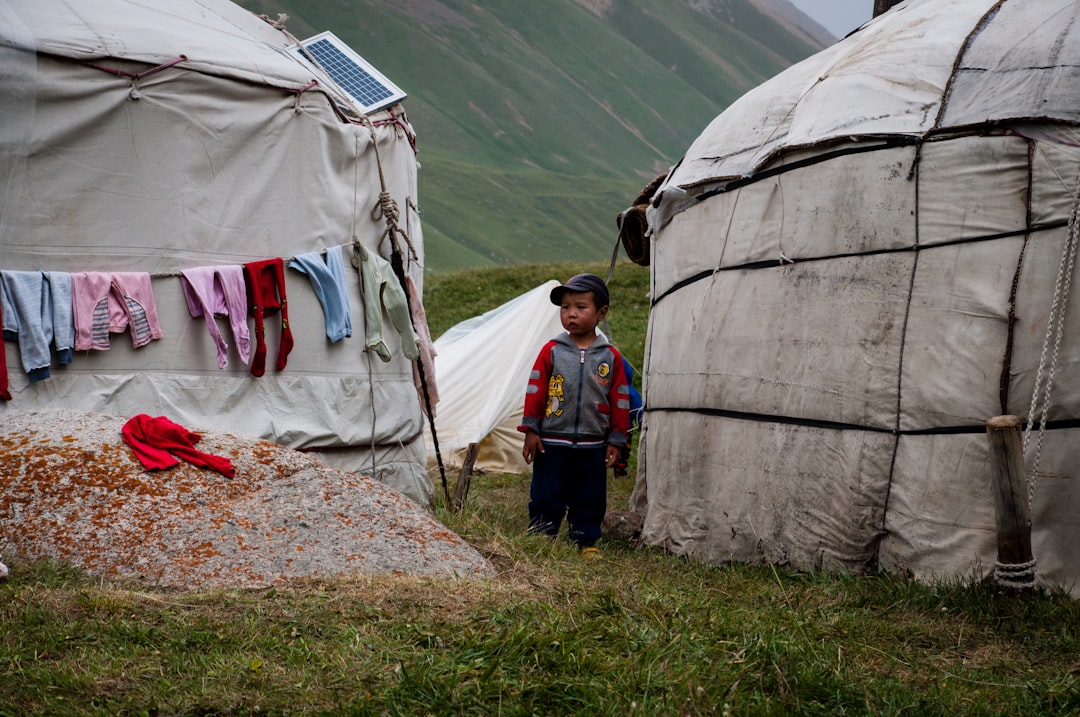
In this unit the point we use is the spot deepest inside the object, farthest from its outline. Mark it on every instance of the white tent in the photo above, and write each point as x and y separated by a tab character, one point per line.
159	136
482	368
853	268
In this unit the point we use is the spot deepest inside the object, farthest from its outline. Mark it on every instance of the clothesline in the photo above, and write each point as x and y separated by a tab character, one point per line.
67	312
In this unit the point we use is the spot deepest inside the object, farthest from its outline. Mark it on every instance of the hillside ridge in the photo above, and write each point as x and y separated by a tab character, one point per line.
538	123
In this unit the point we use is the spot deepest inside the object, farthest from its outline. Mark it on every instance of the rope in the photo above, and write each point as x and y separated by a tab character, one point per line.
610	273
386	209
136	77
1020	576
360	118
341	96
402	123
374	414
1055	328
278	24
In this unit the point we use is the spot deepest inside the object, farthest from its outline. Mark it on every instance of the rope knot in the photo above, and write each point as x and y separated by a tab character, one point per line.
278	24
387	209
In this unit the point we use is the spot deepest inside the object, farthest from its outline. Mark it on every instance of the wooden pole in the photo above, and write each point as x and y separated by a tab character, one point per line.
881	6
1010	500
461	490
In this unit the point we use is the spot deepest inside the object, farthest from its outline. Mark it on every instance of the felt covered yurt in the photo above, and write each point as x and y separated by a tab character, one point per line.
853	268
160	139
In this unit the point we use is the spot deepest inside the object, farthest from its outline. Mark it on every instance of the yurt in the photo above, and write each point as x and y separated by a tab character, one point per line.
160	158
853	268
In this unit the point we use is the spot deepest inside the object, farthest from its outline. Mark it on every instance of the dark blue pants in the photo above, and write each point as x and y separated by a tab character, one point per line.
570	482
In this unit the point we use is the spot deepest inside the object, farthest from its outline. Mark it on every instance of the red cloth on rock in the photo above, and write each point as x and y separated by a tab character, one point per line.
156	442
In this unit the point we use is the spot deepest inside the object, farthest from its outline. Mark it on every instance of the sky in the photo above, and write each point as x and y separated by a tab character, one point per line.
837	16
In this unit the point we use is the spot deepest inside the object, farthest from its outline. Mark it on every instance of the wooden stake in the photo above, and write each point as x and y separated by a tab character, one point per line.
882	6
1010	490
461	490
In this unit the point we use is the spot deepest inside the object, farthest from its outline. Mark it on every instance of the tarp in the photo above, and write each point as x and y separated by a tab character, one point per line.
853	269
482	367
159	136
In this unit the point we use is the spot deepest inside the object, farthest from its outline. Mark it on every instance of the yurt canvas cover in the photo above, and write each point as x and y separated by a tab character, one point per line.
853	268
160	136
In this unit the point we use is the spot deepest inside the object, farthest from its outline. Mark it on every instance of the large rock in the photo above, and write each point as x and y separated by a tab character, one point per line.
70	489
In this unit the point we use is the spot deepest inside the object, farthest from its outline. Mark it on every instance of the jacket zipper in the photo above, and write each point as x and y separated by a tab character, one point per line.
580	383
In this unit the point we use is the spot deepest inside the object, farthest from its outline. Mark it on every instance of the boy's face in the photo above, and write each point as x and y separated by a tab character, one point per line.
580	315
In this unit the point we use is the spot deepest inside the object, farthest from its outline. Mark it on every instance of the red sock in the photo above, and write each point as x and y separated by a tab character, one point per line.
258	356
5	395
286	344
266	294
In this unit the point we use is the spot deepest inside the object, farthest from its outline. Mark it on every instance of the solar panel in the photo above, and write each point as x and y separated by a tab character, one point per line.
358	77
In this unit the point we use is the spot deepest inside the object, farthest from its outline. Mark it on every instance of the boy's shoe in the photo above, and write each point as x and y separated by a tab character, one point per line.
591	553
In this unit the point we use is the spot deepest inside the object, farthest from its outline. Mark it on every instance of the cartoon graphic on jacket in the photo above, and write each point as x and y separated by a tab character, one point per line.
565	380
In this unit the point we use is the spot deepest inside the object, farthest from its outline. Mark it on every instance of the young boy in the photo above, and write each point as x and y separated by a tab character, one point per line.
576	417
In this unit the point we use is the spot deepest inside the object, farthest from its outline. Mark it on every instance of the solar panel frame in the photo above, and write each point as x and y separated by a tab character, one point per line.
371	89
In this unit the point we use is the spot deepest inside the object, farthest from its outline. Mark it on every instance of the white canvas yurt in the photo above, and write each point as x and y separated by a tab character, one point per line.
853	268
178	135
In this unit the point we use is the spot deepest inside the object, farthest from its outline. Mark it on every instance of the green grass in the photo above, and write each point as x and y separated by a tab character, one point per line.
640	633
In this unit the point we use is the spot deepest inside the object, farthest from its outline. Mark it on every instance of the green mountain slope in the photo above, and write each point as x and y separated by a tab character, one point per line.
538	122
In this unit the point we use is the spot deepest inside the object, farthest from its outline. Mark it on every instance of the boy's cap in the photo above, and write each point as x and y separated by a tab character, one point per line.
580	284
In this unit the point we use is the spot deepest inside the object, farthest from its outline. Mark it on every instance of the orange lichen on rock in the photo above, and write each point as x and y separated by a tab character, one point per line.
70	489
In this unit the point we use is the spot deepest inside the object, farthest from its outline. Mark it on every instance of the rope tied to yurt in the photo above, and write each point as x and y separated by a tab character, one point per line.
361	116
300	91
1018	576
386	210
402	123
1055	329
136	77
278	24
1021	576
344	98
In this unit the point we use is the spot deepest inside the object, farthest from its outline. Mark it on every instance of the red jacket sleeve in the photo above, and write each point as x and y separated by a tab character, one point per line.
536	391
619	400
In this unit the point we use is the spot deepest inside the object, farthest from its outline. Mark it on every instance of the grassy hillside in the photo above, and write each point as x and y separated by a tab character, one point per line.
539	122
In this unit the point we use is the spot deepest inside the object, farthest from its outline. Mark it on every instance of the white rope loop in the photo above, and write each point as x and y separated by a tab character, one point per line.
1020	576
1055	329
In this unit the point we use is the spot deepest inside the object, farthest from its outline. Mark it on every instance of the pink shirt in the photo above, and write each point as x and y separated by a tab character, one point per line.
110	302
